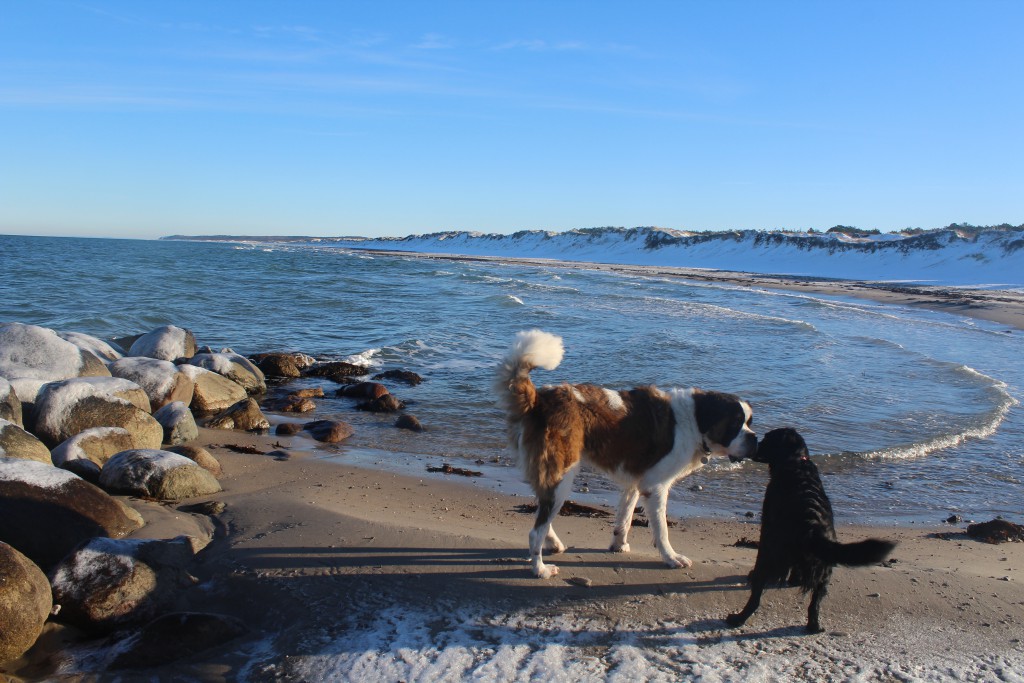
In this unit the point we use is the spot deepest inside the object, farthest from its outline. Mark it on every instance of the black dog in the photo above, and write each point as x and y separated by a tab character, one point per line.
798	540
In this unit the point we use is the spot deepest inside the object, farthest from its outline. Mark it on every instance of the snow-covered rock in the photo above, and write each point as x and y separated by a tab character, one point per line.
15	442
108	583
97	347
10	405
238	369
85	453
213	393
31	356
72	406
160	379
25	603
157	474
165	343
178	422
47	511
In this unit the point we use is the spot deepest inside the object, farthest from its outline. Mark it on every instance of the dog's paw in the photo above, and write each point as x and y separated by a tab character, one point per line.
735	620
814	628
545	571
617	547
679	562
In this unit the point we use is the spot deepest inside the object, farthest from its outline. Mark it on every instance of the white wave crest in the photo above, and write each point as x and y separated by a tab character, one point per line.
368	357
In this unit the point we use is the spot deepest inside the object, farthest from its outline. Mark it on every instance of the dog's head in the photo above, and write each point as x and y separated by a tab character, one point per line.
781	445
724	423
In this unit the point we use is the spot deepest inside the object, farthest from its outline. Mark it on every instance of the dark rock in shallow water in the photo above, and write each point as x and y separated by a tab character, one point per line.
385	404
291	404
367	390
409	422
328	431
338	371
410	378
996	531
278	365
288	429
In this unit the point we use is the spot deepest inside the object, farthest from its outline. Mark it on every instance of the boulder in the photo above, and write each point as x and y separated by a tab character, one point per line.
97	347
160	379
201	457
31	356
213	393
328	431
292	404
278	365
338	371
108	583
238	369
15	442
245	415
367	390
409	422
10	406
157	474
25	603
72	406
85	453
308	392
178	423
406	376
385	404
288	429
47	511
176	636
165	343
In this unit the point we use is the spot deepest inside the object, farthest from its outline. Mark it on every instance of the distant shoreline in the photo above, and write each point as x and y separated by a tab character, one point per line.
1005	307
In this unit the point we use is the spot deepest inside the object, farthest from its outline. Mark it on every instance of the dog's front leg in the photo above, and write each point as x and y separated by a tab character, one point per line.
624	520
657	504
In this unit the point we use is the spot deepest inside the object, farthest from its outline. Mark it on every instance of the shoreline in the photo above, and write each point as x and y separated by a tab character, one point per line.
1000	306
352	566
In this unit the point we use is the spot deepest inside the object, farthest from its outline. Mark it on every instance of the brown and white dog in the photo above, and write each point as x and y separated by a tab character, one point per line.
643	438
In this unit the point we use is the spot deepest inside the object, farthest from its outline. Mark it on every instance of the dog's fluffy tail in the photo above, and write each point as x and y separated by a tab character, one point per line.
532	349
858	554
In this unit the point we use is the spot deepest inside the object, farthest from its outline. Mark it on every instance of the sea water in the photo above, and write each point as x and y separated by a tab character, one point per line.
911	415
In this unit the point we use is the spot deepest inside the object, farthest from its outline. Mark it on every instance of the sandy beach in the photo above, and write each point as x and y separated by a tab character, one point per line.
344	573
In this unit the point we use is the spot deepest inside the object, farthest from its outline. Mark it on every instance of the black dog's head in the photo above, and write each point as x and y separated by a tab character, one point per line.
781	445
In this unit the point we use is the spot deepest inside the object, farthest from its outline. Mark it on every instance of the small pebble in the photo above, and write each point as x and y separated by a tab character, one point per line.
581	581
874	595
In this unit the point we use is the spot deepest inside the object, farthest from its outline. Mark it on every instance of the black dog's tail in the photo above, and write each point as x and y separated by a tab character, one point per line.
856	554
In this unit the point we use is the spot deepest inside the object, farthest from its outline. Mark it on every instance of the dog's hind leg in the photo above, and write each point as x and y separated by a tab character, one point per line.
813	625
657	503
756	589
624	520
549	502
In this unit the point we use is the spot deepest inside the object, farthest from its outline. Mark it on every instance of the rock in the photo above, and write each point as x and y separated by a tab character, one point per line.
85	453
996	531
10	406
245	415
409	422
201	457
15	442
309	392
385	404
210	507
25	603
31	356
328	431
165	343
288	429
157	474
178	423
292	404
47	511
97	347
338	371
410	378
368	390
213	393
108	583
72	406
176	636
160	379
278	365
238	369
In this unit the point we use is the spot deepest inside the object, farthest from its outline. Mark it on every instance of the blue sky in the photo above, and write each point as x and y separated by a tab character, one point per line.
142	119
